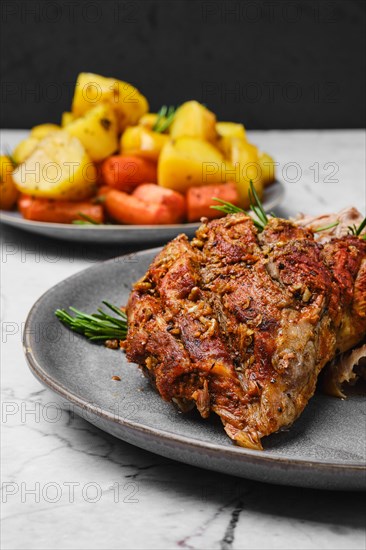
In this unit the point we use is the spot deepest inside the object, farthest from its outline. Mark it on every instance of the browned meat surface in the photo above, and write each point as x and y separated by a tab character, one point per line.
241	323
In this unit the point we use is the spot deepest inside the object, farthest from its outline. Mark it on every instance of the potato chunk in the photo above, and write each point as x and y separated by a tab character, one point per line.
66	118
140	141
245	159
24	149
59	168
43	130
189	162
126	101
230	129
194	120
148	120
268	167
97	131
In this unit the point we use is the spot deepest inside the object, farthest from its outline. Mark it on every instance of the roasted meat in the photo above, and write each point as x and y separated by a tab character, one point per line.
241	322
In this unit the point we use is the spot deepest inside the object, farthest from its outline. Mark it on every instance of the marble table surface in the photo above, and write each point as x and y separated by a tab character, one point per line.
67	485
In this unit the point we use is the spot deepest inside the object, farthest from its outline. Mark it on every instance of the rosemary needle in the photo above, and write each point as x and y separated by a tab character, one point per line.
330	226
86	220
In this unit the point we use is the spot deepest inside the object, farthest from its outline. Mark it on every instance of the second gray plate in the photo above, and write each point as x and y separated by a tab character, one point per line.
324	449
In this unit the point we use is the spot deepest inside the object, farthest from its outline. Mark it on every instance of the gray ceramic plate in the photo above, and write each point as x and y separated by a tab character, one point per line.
324	449
123	234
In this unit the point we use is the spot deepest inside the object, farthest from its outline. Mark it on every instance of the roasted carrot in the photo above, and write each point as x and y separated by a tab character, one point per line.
148	205
126	173
47	210
174	201
200	199
24	202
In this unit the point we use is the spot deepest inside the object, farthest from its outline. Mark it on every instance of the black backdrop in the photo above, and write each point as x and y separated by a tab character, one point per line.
269	63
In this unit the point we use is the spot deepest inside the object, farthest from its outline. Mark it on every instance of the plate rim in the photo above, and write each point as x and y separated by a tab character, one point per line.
168	438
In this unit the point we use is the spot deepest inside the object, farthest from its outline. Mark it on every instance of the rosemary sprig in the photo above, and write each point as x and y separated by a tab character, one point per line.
354	230
330	226
87	220
227	207
361	227
165	118
256	206
97	326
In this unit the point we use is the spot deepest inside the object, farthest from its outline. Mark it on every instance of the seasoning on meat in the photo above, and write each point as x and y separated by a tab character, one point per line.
241	323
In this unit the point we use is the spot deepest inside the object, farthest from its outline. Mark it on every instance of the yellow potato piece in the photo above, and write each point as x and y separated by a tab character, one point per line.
66	118
59	168
148	120
268	167
43	130
97	131
140	141
8	191
189	162
226	131
245	159
194	120
230	129
126	101
24	149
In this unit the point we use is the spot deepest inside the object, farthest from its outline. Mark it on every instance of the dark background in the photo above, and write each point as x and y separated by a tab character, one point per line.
268	63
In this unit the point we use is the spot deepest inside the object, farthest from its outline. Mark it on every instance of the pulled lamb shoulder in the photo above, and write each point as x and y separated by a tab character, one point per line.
240	323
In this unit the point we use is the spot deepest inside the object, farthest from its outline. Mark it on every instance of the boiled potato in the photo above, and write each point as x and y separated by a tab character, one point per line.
188	162
43	130
194	120
148	120
24	149
66	118
230	129
59	168
126	101
226	131
8	191
97	131
140	141
245	159
268	167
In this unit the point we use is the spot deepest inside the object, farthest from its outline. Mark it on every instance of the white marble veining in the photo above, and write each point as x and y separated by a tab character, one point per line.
67	485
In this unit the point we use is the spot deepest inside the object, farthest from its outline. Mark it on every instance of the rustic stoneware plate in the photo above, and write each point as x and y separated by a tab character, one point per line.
123	234
324	449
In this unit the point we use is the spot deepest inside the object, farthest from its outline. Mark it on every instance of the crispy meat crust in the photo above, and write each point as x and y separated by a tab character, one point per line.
241	323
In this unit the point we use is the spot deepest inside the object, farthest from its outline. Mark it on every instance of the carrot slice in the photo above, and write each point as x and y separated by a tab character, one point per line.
54	211
126	173
200	200
146	206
